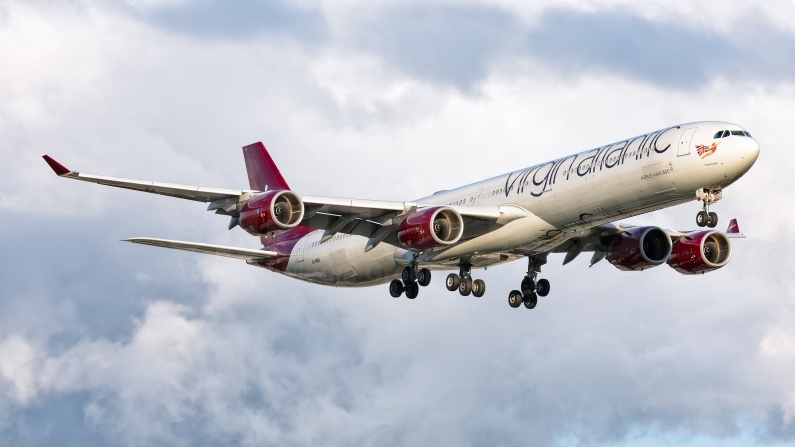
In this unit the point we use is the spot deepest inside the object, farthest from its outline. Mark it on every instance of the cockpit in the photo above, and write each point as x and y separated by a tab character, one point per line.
727	133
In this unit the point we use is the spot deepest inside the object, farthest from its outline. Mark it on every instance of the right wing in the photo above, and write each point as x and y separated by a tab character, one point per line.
197	193
218	250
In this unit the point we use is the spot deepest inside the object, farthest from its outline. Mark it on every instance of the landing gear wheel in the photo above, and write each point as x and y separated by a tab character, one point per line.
396	288
530	300
528	286
412	290
408	276
465	288
712	220
701	218
478	288
424	278
452	282
542	287
515	298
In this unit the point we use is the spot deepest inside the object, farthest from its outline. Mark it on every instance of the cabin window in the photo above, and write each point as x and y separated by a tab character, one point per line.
719	134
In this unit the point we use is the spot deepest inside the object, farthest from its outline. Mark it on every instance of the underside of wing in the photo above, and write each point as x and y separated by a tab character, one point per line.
218	250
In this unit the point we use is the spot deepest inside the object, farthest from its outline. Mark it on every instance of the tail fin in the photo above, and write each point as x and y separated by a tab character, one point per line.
262	171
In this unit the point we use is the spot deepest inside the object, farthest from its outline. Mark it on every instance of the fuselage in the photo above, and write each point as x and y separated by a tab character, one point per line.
619	180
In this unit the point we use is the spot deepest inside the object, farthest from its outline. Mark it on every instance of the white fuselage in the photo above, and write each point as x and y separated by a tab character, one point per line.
563	196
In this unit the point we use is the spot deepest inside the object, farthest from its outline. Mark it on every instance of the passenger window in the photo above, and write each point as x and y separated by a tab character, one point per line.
738	132
725	133
719	134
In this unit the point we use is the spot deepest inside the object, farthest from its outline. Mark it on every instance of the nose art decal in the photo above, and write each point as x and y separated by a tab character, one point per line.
706	151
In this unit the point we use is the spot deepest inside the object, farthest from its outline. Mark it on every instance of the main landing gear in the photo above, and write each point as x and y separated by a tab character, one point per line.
410	281
463	282
531	287
705	217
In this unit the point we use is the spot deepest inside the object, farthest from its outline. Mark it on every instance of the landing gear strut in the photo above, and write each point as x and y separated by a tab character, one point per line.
705	217
531	287
410	281
463	282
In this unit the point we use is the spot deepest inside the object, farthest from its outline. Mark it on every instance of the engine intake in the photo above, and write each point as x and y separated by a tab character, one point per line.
701	252
639	249
272	211
431	228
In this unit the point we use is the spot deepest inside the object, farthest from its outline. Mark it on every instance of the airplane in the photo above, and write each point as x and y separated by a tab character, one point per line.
567	205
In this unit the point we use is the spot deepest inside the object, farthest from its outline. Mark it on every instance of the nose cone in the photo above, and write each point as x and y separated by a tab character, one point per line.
744	152
750	152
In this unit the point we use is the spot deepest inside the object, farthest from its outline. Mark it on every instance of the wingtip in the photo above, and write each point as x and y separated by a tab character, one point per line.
57	167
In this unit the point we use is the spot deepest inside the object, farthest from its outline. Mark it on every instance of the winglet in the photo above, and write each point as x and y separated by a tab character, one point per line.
734	229
57	167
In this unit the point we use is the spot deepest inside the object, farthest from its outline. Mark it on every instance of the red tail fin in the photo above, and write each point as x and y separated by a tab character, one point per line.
733	227
262	171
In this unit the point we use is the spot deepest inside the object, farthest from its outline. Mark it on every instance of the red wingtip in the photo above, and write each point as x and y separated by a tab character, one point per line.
57	167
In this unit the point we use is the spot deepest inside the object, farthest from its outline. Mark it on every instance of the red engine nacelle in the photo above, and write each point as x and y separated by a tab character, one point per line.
701	252
430	228
639	249
272	211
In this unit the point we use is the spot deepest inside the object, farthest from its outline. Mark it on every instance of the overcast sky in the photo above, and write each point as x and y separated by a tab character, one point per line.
108	343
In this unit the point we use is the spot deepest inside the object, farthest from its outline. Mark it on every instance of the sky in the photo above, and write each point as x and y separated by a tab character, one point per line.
108	343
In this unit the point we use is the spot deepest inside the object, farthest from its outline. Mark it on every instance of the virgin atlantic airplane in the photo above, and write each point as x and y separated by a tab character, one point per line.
560	206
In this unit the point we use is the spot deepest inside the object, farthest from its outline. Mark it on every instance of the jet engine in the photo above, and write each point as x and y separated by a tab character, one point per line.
429	228
701	252
272	211
639	249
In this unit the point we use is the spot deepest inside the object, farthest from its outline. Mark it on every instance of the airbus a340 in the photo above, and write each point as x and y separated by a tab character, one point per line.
560	206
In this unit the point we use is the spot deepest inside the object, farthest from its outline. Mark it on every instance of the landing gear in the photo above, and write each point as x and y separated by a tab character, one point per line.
705	218
464	284
410	281
396	288
531	287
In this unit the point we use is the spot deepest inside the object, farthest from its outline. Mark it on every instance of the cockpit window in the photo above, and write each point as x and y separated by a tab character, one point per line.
738	132
725	133
719	134
747	134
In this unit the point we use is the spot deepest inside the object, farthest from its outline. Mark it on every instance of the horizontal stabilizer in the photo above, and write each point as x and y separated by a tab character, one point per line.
218	250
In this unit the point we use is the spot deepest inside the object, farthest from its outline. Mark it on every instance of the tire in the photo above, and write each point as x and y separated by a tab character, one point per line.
712	220
409	275
465	288
701	218
542	287
424	278
396	288
528	286
452	282
530	301
515	298
478	288
412	290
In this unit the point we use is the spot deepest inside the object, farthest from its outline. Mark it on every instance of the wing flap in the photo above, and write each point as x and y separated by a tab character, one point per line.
218	250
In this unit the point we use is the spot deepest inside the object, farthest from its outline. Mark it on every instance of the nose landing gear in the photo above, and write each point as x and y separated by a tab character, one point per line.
464	284
705	218
531	288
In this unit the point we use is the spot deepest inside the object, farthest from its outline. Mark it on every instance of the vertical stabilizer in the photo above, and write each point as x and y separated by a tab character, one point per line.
262	171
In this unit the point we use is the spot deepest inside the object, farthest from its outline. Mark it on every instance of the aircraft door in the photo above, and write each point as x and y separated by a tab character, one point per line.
684	141
476	202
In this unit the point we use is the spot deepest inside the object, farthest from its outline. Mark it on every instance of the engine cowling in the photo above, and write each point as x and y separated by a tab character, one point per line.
272	211
701	252
429	228
639	249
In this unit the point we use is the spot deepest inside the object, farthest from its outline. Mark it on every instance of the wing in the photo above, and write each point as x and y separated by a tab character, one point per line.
378	220
197	193
218	250
597	239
